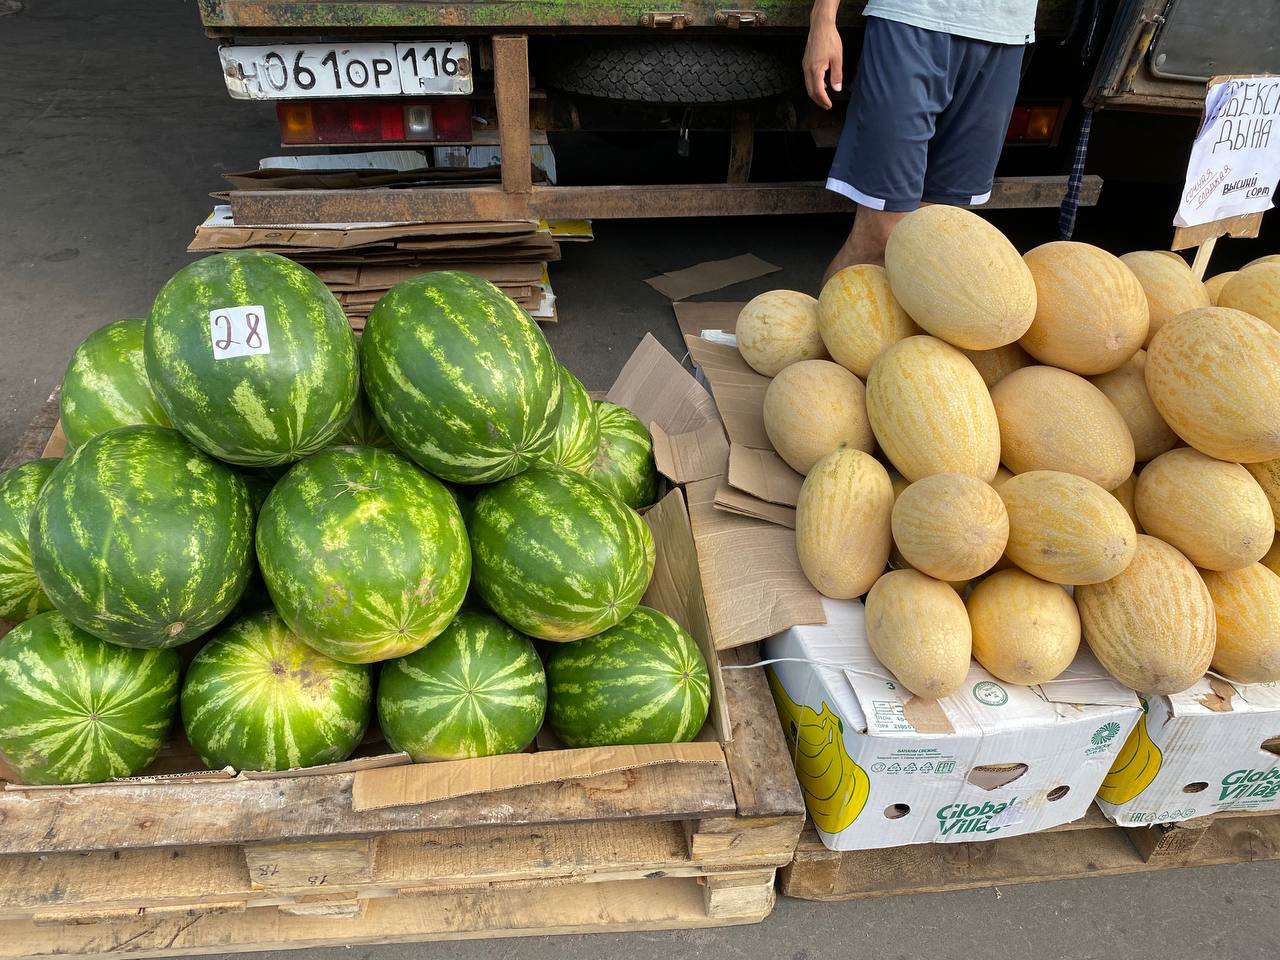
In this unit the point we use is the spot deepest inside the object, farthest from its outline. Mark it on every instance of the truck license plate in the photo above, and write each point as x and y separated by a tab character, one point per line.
293	71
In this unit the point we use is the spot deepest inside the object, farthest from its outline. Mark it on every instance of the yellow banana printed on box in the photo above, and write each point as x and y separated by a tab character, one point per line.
1136	765
835	788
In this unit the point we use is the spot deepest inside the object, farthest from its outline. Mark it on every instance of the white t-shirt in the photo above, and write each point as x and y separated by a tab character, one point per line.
996	21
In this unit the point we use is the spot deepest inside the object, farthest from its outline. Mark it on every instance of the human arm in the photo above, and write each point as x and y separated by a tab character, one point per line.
823	53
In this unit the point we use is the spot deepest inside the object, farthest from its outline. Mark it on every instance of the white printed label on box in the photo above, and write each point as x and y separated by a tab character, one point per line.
238	332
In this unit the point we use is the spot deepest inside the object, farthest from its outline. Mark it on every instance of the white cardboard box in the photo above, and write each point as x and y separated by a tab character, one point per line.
1208	749
881	768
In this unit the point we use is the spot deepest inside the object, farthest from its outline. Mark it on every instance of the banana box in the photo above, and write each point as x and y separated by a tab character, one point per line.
882	768
1208	749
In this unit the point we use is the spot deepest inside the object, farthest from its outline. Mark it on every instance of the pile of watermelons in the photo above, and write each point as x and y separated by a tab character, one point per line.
279	532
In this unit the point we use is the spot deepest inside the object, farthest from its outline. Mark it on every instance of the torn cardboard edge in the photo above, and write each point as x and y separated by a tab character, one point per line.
764	475
710	275
743	504
421	783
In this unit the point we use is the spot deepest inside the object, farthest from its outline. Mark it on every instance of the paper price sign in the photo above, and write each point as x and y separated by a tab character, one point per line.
1235	160
238	332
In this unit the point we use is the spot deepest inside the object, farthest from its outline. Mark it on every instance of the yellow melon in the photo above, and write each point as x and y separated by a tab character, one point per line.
1054	420
1271	559
1269	258
959	278
1091	313
918	628
811	408
1214	512
1025	630
1214	375
777	329
1126	388
950	526
1267	474
1246	608
858	317
842	523
1151	627
931	412
1213	286
1124	493
1256	291
996	364
1003	473
1066	529
1170	286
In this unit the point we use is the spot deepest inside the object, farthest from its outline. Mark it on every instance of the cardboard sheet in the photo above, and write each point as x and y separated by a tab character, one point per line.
693	318
744	504
763	474
738	391
710	275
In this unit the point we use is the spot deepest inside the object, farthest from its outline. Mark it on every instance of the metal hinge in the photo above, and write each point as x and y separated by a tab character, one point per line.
664	21
733	19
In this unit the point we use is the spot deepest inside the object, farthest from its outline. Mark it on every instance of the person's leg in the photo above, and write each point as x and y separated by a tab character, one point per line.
866	241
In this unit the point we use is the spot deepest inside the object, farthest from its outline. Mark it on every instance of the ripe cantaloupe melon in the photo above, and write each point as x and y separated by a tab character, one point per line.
1126	388
931	412
1269	258
896	560
1214	375
1170	286
1246	607
858	317
1054	420
1213	286
950	526
1256	291
1267	474
1152	627
842	523
777	329
1025	630
811	408
1091	313
1124	493
1066	529
959	278
1214	512
919	629
996	364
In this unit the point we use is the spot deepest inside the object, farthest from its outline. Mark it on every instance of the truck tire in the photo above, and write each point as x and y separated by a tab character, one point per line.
669	71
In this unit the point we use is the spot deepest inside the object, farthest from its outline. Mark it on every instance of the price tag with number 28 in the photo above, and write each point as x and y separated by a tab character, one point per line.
238	332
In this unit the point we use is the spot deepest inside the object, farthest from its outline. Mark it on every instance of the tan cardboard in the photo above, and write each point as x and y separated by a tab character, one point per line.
710	275
735	501
693	318
764	474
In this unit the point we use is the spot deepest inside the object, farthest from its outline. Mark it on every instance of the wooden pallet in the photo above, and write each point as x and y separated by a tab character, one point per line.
236	865
1090	847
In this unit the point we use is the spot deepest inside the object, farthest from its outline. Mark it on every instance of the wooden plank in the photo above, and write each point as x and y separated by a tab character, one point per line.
747	895
126	816
310	863
741	147
34	439
1245	226
597	202
511	94
1169	840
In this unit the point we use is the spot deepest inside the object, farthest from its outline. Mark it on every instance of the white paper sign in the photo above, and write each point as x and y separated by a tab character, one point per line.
1235	160
238	332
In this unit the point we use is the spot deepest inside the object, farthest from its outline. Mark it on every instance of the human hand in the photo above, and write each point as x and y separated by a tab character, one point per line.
823	54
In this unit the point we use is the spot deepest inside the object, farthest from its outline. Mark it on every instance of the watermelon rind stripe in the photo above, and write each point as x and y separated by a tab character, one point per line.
106	384
577	435
624	464
20	593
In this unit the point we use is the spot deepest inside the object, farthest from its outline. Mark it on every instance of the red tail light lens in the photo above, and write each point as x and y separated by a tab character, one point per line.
1035	123
373	121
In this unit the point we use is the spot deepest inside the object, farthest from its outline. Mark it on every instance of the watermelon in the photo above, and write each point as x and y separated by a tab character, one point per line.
252	358
76	709
476	690
460	377
20	593
260	483
141	539
642	681
362	428
106	384
257	698
364	555
557	557
624	460
577	435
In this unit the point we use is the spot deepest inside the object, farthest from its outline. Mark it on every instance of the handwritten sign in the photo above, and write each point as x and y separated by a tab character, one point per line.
238	332
1235	160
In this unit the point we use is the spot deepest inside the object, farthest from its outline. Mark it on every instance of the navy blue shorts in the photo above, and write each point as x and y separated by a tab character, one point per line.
927	118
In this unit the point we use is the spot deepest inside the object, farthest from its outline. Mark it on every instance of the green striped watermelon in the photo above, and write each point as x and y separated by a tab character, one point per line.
643	681
460	377
76	709
20	593
282	401
476	690
259	483
141	539
365	556
624	460
557	557
257	698
577	433
106	384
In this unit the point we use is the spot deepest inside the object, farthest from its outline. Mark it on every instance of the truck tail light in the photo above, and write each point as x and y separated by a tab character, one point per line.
376	121
1035	123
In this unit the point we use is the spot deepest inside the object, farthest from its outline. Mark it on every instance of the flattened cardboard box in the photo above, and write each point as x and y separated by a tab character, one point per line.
1209	749
881	768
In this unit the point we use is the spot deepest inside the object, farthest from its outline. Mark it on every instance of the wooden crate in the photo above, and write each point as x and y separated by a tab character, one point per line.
1090	847
253	864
